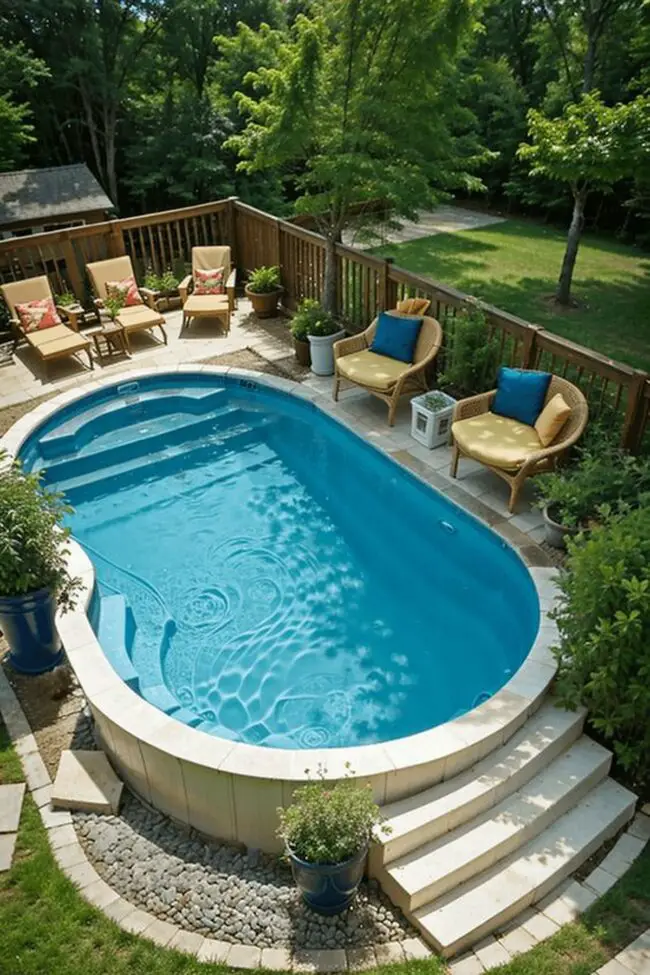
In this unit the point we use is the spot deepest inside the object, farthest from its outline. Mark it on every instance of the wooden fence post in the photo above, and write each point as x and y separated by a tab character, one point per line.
529	347
74	275
382	284
116	246
633	422
231	228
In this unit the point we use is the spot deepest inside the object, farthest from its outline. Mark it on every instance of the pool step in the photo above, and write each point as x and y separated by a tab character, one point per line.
115	632
229	443
423	817
126	409
141	444
490	900
433	869
161	697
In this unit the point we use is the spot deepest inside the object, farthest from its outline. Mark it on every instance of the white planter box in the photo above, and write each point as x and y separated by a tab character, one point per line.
431	426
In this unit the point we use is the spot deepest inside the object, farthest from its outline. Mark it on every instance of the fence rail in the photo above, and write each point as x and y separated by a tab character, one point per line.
367	284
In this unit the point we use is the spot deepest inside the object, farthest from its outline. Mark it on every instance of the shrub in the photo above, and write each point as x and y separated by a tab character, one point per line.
604	624
312	319
264	280
602	475
114	305
65	299
32	553
329	823
472	357
166	283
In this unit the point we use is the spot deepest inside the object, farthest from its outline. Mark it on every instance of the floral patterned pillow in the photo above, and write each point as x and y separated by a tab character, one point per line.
209	282
126	289
34	315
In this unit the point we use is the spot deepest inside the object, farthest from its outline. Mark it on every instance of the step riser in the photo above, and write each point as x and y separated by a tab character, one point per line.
510	913
512	843
384	853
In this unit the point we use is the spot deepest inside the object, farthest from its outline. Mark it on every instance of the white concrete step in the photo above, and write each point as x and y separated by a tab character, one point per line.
426	815
488	901
436	867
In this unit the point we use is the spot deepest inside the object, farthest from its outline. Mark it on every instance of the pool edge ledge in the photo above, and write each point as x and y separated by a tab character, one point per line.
236	788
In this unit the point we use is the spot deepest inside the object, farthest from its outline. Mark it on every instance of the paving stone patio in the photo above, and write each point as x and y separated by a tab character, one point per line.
441	220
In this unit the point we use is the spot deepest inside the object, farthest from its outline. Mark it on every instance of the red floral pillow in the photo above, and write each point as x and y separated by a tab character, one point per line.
209	282
40	313
126	289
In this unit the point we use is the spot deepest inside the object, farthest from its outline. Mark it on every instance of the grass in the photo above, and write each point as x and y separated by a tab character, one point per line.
514	265
47	927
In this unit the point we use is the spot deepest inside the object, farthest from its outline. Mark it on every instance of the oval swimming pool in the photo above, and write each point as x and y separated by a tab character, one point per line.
266	576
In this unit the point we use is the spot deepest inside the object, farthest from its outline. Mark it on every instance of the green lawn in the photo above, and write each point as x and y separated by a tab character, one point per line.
514	265
48	928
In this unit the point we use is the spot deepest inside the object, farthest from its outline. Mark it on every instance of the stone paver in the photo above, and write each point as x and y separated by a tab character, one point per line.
7	846
415	948
491	953
540	926
636	956
11	803
85	780
275	959
244	956
215	951
187	941
468	965
517	941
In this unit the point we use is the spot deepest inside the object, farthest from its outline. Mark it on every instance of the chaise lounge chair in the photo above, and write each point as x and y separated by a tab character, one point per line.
53	341
214	296
509	448
136	317
384	377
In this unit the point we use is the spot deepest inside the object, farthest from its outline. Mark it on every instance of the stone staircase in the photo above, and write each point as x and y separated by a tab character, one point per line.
467	855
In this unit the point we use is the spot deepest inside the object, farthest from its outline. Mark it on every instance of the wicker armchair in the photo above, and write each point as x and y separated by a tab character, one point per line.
537	460
388	379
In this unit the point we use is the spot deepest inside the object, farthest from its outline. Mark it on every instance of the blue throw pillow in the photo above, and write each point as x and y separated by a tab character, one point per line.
520	394
396	337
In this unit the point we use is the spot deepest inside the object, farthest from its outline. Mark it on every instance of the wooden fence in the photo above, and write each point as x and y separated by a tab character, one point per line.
367	283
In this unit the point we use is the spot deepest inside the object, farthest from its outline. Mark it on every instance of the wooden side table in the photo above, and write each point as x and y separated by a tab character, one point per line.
109	340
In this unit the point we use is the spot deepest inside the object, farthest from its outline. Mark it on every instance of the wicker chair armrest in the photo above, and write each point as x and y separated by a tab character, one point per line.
184	288
474	405
350	345
553	450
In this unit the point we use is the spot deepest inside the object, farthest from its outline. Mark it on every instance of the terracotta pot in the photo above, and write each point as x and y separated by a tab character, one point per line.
303	355
265	305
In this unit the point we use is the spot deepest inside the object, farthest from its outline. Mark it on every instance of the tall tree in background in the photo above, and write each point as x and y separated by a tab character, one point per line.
20	72
590	146
358	106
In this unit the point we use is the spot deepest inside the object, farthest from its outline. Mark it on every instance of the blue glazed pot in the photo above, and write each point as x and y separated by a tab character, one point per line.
28	625
328	888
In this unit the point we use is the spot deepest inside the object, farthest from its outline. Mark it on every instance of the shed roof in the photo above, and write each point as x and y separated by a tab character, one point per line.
44	194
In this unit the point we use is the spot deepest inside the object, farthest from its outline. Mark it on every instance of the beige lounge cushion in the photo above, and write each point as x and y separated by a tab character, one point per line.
206	305
369	369
552	418
57	333
138	316
496	440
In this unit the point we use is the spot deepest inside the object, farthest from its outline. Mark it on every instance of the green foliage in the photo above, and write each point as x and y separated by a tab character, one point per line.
472	358
329	823
435	402
66	298
264	280
114	305
20	71
312	319
32	539
603	475
166	283
604	624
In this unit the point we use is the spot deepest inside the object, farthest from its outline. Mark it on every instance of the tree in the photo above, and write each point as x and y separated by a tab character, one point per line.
20	71
358	108
591	146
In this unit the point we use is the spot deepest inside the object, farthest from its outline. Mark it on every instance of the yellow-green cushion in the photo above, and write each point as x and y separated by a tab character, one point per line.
496	440
369	369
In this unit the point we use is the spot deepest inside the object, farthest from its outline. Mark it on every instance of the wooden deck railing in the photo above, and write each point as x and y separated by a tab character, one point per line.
366	285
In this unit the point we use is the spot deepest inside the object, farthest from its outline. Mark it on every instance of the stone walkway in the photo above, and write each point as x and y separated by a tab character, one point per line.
11	803
442	220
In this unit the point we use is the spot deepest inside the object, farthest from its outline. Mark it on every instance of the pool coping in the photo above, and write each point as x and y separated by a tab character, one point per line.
394	768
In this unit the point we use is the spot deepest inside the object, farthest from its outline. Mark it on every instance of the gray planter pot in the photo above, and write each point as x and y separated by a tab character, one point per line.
556	534
322	353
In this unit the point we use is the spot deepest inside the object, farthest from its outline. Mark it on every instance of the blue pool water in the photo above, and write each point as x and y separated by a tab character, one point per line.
266	576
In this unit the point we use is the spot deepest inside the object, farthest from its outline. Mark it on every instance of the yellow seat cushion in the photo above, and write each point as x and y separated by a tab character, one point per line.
138	316
206	305
369	369
495	440
56	333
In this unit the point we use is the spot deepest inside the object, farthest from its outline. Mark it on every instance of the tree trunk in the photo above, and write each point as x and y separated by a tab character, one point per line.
589	64
330	277
563	293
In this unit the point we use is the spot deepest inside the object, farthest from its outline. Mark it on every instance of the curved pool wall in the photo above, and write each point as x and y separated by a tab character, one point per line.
231	789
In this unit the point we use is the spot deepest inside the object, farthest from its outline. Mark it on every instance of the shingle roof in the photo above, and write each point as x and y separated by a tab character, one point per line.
41	194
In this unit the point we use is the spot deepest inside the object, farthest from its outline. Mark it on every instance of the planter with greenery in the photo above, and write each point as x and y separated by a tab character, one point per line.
321	331
33	571
166	287
571	498
604	625
264	290
431	415
308	311
327	830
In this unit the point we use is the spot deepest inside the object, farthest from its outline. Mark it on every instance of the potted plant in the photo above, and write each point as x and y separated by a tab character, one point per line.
33	571
113	305
327	830
264	290
322	332
164	286
431	415
307	310
603	474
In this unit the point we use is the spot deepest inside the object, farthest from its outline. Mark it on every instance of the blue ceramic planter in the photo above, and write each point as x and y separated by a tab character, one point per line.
328	888
28	625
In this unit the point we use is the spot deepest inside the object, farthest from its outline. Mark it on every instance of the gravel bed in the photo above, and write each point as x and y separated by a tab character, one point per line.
222	891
